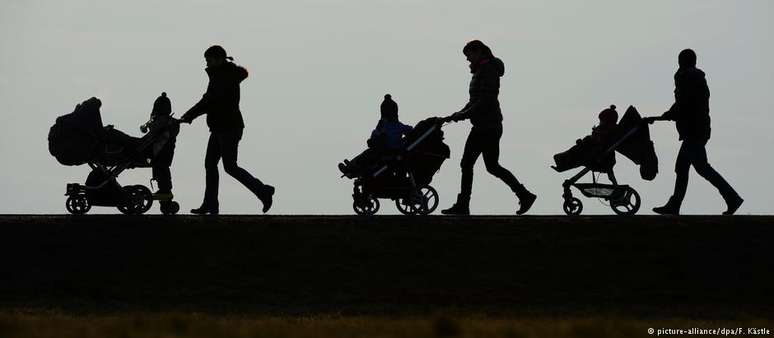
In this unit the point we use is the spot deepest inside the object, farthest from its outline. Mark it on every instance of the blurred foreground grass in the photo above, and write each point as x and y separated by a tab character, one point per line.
43	325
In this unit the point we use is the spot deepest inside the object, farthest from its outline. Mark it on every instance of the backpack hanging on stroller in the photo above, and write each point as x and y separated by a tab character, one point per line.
631	139
404	177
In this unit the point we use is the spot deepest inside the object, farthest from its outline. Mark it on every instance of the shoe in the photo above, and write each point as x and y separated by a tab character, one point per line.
526	200
204	210
733	205
666	210
456	209
461	207
267	197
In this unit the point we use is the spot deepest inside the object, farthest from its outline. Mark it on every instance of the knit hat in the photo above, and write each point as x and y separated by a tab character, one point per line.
162	106
389	109
608	116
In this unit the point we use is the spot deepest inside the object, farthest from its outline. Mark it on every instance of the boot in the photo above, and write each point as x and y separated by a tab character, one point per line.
462	207
670	208
204	210
526	200
267	197
733	205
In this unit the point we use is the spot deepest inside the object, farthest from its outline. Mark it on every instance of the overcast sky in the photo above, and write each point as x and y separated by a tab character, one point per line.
319	69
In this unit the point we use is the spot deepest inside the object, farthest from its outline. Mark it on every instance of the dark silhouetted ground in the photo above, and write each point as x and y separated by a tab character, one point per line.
645	267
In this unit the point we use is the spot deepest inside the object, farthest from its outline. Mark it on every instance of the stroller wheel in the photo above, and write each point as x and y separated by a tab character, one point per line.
409	206
627	204
572	206
366	207
169	207
429	198
137	200
77	204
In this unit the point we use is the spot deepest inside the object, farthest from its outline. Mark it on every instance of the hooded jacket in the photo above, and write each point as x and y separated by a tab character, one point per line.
483	108
691	108
221	101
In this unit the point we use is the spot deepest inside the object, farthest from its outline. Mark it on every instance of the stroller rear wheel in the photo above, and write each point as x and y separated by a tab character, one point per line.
366	206
572	206
409	206
138	199
424	203
627	204
77	204
430	197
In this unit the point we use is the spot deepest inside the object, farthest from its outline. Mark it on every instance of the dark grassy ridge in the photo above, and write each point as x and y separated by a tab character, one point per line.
645	266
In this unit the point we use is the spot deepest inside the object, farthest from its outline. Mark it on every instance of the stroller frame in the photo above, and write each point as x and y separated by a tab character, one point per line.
409	198
623	199
131	199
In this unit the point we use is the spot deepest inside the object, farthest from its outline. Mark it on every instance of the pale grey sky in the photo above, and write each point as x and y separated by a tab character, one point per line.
318	71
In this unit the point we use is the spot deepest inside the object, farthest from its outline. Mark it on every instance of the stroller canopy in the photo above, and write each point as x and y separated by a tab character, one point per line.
637	146
74	137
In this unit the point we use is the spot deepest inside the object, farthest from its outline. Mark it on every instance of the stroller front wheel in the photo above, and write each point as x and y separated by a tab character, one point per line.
366	206
77	204
572	206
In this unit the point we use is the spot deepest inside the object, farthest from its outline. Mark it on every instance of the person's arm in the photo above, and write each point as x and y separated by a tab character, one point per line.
197	110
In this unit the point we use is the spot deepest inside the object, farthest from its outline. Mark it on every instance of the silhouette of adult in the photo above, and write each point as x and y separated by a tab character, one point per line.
221	104
691	115
483	110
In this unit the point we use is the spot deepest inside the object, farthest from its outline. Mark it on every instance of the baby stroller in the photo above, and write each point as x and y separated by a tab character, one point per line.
631	139
405	177
79	138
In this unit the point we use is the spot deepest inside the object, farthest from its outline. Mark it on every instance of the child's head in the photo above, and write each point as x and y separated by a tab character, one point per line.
162	106
389	109
608	117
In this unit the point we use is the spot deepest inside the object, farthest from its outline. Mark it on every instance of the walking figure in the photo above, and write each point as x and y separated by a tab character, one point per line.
691	115
221	104
483	110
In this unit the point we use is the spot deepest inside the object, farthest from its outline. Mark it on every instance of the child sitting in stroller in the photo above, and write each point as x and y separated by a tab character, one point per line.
590	150
386	140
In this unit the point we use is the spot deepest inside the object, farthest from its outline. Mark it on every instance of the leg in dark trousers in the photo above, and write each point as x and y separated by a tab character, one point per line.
225	145
163	178
693	153
161	164
486	142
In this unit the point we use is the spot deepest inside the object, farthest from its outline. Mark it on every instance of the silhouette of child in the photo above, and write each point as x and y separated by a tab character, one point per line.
601	138
386	139
161	121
